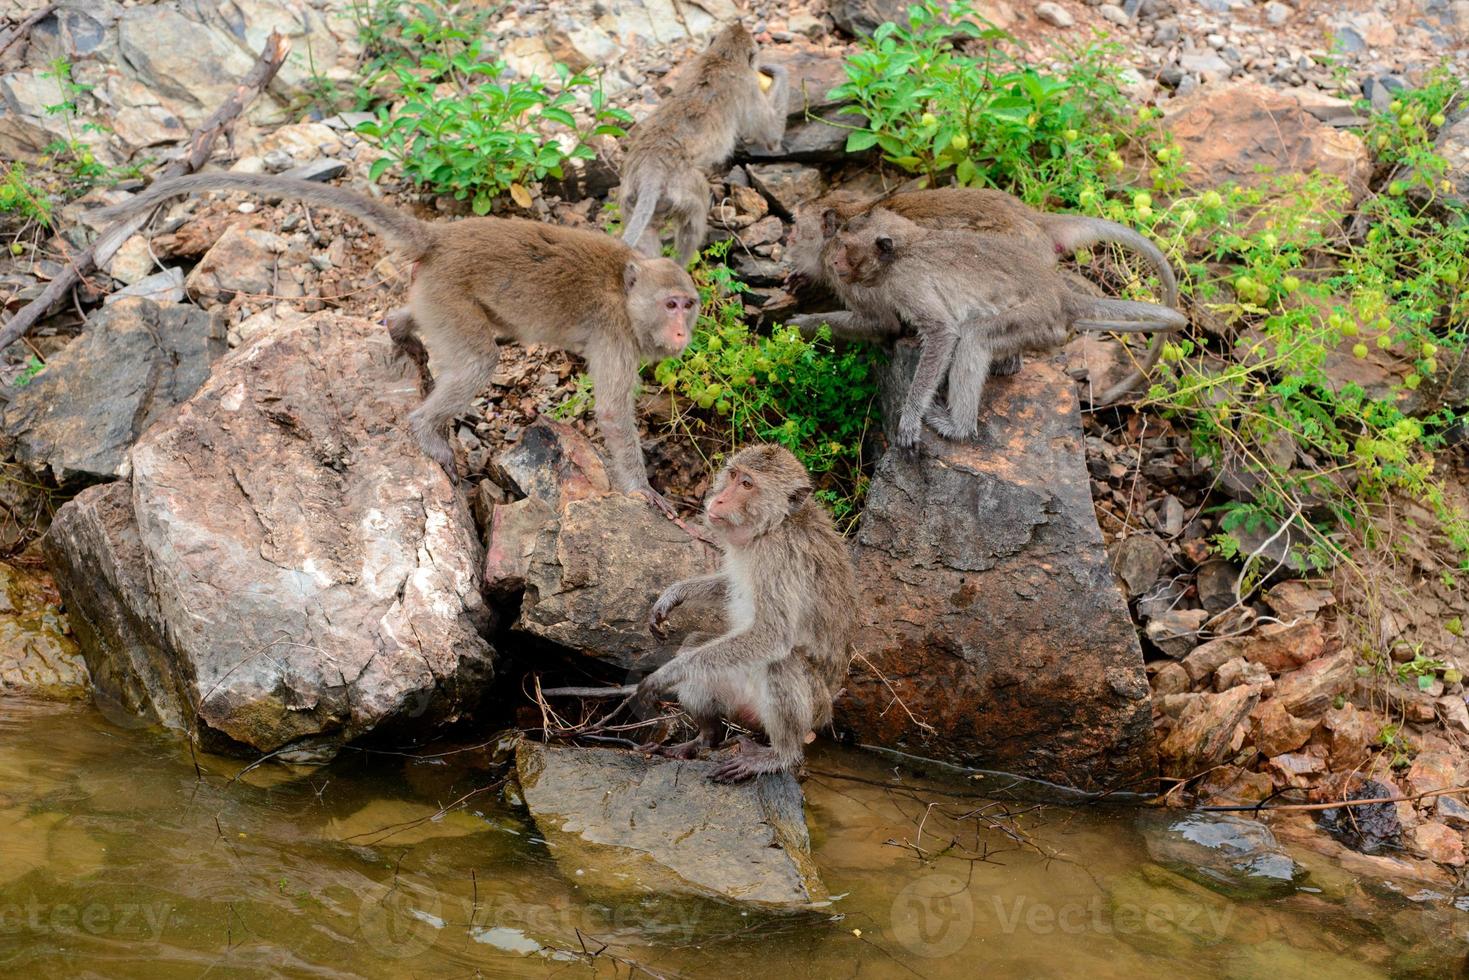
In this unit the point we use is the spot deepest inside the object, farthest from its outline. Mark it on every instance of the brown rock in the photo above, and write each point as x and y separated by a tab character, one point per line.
1233	784
1431	771
1170	678
1440	843
1454	713
1174	705
1244	131
246	260
1176	632
1233	673
1309	691
1297	769
1215	581
1137	559
37	657
988	607
1276	731
749	201
1349	732
1293	599
1209	657
1284	646
1206	732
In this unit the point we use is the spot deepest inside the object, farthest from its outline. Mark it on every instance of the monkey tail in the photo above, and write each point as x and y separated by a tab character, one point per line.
645	197
1071	232
412	236
1123	316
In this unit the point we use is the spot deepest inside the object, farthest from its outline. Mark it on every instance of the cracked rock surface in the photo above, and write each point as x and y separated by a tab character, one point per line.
284	567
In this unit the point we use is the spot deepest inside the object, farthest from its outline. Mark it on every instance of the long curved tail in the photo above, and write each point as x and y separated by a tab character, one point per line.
1071	232
645	204
400	228
1123	316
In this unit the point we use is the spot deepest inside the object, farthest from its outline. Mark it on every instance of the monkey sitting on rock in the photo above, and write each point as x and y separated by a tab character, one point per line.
972	298
480	280
789	596
1047	236
669	154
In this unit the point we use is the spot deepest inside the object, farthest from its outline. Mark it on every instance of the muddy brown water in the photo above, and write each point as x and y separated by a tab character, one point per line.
119	858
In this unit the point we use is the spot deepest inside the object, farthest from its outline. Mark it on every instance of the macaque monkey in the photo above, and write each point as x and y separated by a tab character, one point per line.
993	212
972	299
790	602
669	154
480	280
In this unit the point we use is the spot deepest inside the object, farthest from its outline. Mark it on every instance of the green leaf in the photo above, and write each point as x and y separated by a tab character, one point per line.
860	139
379	167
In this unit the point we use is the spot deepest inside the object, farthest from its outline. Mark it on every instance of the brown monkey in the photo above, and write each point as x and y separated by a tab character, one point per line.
993	212
790	605
669	154
972	298
483	279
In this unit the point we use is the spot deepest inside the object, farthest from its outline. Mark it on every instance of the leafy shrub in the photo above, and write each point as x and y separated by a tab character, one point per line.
19	196
453	127
742	387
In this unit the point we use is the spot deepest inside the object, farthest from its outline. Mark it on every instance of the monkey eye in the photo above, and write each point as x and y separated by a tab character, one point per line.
747	483
671	303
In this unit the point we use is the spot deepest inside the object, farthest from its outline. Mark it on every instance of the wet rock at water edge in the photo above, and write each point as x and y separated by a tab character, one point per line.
624	824
1232	855
134	361
1371	828
989	608
286	568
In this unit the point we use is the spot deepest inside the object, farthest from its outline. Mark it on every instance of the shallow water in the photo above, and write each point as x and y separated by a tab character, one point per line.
119	858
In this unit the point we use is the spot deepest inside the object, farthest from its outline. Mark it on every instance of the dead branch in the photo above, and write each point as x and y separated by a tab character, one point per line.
201	144
1336	804
24	27
590	692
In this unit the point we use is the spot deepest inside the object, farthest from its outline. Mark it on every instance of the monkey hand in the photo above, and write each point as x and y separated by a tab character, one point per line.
796	281
658	615
910	431
658	501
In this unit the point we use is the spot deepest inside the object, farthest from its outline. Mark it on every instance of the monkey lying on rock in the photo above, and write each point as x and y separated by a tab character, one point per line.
1048	236
669	154
972	298
789	595
480	280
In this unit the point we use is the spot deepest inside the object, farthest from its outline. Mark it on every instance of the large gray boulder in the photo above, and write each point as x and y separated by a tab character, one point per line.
134	361
992	631
285	569
629	826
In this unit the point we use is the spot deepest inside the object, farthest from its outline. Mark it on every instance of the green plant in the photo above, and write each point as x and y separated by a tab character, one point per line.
33	366
70	155
21	197
736	386
455	128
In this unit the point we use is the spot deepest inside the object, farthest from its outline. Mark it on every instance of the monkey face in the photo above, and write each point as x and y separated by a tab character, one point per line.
861	251
663	304
758	488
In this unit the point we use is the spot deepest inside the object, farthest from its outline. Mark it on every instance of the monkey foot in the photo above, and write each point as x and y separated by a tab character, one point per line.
750	761
683	750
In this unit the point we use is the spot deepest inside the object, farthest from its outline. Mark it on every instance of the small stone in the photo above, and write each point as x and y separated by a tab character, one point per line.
1206	658
317	170
1206	732
1115	14
1440	843
1349	732
1176	632
1310	691
1138	559
1055	15
1216	581
1297	769
1452	811
1277	13
1170	678
1453	712
1276	731
277	161
1292	599
1233	673
1170	516
1431	771
749	201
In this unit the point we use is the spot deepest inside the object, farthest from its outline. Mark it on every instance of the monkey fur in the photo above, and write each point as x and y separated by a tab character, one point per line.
992	212
789	595
972	298
668	154
480	280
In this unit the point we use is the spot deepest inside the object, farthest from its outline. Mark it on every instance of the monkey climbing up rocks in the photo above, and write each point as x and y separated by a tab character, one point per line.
973	299
789	597
669	154
483	280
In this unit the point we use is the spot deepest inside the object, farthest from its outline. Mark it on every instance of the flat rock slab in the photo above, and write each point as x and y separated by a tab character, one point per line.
989	610
135	361
285	567
626	823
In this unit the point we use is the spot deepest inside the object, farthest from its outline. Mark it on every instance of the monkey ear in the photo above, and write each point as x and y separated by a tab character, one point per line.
798	498
630	275
829	222
885	247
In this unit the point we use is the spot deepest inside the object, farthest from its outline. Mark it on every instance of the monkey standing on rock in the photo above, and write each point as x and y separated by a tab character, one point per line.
972	298
789	594
989	211
669	154
479	280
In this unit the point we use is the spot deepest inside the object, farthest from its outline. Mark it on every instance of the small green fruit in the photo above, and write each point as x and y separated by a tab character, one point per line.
1429	349
1290	284
1437	119
1212	200
929	119
1430	365
1412	381
1359	351
1142	200
959	142
1349	328
16	248
1383	341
